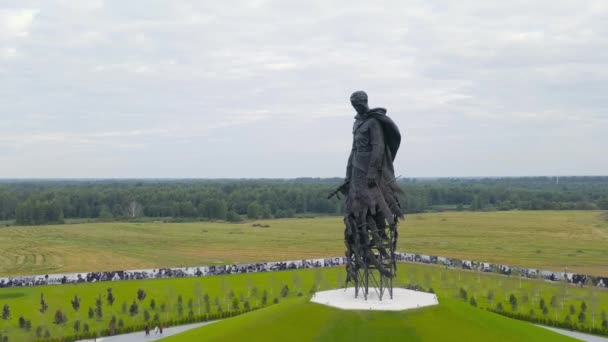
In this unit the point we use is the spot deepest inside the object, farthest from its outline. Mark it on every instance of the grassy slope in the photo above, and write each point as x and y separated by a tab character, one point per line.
299	320
446	282
547	239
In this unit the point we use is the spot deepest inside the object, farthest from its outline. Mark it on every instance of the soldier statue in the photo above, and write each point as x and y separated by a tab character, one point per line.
372	209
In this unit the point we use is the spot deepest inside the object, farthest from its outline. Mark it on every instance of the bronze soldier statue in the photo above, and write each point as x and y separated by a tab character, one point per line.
372	209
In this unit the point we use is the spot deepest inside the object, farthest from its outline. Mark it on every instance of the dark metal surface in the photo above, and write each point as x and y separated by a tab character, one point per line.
372	209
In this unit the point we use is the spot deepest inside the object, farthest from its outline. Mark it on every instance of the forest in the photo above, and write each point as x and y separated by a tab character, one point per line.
35	202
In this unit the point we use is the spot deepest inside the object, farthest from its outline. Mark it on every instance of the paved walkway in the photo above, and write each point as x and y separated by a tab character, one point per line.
141	337
577	335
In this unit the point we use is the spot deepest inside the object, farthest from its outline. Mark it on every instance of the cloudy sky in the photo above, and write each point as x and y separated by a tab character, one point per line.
210	89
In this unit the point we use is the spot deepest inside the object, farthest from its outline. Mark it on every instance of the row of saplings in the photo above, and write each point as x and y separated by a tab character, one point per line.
580	322
151	316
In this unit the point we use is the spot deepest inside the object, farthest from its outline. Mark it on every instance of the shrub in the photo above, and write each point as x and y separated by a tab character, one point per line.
60	317
6	312
134	309
582	317
141	294
473	302
284	291
513	302
75	303
463	294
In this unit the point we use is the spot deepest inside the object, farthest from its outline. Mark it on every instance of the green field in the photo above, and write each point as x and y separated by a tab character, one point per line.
551	240
447	283
298	320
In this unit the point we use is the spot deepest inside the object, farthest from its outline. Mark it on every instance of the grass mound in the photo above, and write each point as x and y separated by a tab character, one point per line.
300	320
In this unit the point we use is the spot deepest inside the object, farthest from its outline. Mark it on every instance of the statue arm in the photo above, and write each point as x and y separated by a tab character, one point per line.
377	153
349	165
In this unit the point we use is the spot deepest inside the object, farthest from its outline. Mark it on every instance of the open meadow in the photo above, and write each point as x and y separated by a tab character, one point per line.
225	293
551	240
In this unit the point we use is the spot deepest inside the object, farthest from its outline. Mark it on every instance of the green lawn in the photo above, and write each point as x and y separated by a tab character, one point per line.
446	283
551	240
299	320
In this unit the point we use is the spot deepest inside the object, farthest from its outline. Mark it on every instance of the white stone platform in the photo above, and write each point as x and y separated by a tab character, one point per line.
402	299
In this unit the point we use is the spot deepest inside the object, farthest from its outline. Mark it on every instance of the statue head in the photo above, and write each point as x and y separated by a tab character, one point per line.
359	101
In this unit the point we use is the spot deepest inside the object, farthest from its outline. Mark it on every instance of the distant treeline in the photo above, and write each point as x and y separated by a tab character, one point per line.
53	201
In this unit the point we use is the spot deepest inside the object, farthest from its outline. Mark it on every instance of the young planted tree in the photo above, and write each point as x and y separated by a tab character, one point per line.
207	304
43	305
572	309
235	303
76	326
582	317
284	291
462	293
75	303
39	331
99	308
112	327
133	309
146	315
180	305
554	305
473	302
513	302
91	313
542	304
110	297
191	308
6	312
152	304
545	311
141	294
60	317
264	297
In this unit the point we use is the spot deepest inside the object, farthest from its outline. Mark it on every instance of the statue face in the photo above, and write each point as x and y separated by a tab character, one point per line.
359	101
360	107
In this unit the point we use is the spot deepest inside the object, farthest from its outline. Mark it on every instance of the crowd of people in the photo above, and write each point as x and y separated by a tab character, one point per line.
202	271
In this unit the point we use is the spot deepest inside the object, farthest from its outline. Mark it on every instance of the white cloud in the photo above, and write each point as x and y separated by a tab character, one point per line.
8	52
256	80
16	23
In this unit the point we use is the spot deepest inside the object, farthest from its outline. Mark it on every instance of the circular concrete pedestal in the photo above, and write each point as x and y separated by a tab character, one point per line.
402	299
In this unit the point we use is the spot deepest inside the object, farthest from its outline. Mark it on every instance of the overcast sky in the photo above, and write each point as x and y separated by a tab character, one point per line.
223	89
